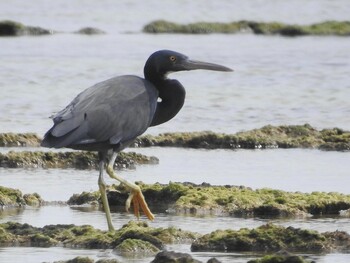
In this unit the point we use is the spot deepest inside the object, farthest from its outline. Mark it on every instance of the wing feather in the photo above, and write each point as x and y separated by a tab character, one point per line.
113	111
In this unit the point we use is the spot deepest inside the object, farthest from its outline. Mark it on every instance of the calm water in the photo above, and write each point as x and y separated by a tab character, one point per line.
277	80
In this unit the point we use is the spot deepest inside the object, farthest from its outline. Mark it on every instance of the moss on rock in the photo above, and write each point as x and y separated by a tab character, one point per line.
140	236
11	197
19	140
338	28
268	238
33	199
90	31
12	28
228	200
280	259
292	136
78	160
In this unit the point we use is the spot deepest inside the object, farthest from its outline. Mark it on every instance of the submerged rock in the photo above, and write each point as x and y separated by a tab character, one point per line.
188	198
292	136
271	238
338	28
78	160
11	28
19	140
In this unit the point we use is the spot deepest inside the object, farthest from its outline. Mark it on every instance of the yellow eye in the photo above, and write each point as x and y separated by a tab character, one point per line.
172	58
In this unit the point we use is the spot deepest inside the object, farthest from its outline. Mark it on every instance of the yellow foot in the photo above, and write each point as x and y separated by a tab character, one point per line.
138	201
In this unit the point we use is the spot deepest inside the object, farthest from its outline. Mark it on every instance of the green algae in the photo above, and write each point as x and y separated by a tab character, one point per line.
292	136
12	28
140	236
338	28
19	140
229	200
279	259
267	238
132	246
33	199
11	197
78	160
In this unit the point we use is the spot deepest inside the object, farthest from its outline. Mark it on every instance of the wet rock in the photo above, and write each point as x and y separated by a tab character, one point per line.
19	140
339	28
187	198
33	199
11	197
174	257
267	238
281	259
87	260
292	136
78	160
134	247
77	260
90	198
134	236
90	31
11	28
344	213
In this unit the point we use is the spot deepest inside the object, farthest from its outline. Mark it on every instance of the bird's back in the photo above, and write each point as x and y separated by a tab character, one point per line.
107	115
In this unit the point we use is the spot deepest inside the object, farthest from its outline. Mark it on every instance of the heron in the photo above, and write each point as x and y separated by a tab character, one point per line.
108	116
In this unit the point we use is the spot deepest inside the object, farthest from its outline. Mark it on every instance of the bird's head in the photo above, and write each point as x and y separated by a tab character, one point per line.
163	62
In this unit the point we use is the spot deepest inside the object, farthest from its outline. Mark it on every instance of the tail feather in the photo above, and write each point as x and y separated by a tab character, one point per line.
71	138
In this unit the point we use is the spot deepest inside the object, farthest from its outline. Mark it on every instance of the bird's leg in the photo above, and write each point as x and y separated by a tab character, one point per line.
102	186
135	196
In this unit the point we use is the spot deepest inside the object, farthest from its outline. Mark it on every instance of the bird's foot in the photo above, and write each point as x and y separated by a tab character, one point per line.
135	196
138	201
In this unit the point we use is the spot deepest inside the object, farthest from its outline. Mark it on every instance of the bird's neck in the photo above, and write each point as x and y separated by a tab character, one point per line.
172	97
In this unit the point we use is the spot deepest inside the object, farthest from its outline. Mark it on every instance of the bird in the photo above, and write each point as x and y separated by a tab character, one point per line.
110	115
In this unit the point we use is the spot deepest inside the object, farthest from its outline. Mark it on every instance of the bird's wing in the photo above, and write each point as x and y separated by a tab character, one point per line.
115	110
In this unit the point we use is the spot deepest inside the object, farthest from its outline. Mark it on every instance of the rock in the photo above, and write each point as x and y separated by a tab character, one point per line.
339	28
11	28
134	247
11	197
280	259
292	136
90	31
272	238
78	160
187	198
19	140
173	257
33	199
134	236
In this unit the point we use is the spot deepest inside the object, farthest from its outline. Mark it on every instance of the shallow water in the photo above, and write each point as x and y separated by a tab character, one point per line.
277	80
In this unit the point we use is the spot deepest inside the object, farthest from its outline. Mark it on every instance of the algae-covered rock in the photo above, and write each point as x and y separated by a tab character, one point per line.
338	28
78	160
174	257
19	140
266	238
280	259
11	197
90	31
292	136
11	28
33	199
77	260
183	198
136	246
141	237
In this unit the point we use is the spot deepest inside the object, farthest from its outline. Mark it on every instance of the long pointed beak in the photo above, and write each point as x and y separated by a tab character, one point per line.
194	64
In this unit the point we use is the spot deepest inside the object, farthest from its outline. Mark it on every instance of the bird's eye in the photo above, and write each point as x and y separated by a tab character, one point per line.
172	58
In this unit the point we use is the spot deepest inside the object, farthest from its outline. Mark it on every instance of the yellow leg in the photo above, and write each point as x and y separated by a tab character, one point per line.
102	187
135	194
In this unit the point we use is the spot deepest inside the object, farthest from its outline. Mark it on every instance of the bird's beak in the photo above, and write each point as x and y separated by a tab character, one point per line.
194	64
